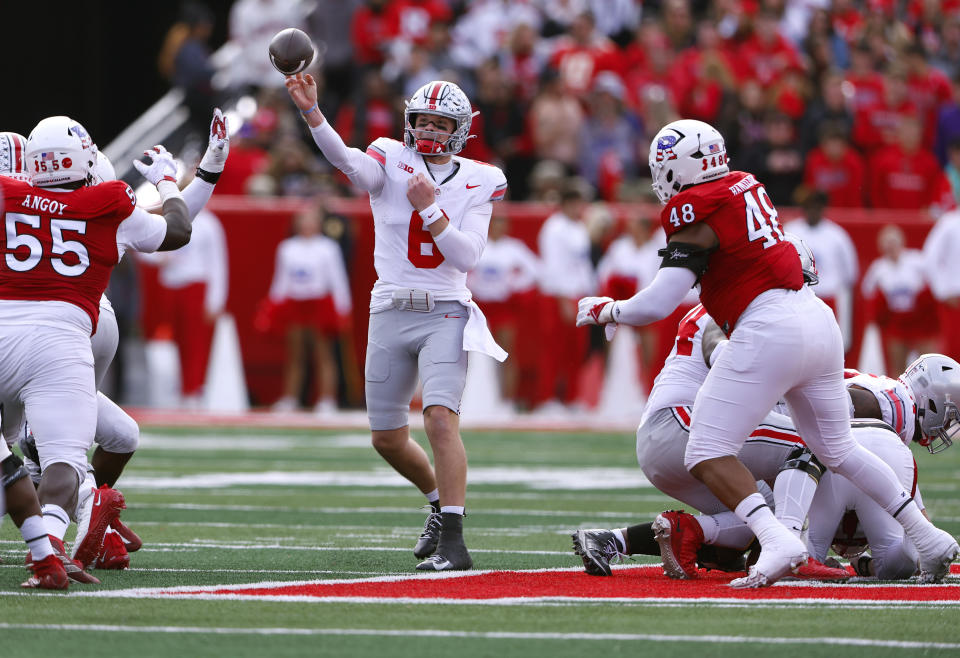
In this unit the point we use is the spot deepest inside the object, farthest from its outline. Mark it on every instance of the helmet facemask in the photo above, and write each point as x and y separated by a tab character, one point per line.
934	380
442	99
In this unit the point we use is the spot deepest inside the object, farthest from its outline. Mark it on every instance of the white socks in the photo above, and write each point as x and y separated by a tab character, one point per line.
34	532
452	509
56	520
725	529
754	511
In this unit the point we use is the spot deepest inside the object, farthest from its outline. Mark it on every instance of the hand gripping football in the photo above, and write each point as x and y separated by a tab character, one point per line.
291	51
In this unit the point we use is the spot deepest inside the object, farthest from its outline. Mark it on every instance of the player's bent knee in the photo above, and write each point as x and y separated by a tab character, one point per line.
802	459
389	440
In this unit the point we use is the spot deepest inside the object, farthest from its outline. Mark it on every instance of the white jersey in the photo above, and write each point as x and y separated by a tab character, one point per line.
900	281
507	266
564	245
898	408
310	268
684	370
405	254
940	251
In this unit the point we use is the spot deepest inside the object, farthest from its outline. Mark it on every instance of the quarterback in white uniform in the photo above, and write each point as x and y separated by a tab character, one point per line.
431	212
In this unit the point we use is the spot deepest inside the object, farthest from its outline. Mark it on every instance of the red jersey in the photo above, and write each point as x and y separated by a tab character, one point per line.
61	246
842	180
904	180
751	257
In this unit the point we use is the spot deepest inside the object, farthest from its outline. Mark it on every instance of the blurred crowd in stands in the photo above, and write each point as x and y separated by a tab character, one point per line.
830	103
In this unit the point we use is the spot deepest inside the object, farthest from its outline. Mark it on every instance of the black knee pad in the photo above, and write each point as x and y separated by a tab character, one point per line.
802	459
12	470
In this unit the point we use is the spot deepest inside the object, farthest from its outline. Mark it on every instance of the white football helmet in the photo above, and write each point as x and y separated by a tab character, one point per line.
934	380
445	99
103	171
13	158
686	152
807	262
59	151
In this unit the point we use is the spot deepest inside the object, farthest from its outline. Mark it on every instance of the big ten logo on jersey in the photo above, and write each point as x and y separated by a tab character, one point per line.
407	168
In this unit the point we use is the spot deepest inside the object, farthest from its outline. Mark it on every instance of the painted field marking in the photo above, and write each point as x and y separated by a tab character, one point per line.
494	635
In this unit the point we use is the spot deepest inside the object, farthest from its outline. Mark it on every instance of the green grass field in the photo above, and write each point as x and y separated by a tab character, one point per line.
230	506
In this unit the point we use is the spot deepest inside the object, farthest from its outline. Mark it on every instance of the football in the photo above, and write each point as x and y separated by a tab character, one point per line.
291	51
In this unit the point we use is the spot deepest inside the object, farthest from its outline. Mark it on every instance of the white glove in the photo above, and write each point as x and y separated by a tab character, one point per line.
162	167
218	144
594	310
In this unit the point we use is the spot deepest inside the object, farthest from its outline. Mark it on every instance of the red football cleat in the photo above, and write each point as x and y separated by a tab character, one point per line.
48	573
816	570
107	504
679	536
130	539
113	554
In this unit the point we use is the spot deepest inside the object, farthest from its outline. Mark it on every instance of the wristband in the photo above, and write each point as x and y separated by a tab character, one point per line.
316	106
208	176
168	189
430	214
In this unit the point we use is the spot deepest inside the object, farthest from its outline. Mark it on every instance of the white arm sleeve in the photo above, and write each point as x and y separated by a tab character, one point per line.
462	247
658	300
196	195
141	231
362	170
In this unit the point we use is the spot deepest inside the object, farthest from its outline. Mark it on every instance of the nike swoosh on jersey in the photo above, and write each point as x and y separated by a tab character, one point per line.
470	187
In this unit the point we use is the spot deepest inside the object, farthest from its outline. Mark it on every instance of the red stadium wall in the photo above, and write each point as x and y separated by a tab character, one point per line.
255	226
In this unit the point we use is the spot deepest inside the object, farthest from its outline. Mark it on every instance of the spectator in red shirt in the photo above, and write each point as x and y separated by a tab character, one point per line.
929	90
836	169
371	33
581	55
904	175
703	75
847	20
876	126
410	20
866	82
766	54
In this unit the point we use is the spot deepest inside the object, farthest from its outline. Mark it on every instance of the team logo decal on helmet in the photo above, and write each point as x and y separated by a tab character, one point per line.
665	148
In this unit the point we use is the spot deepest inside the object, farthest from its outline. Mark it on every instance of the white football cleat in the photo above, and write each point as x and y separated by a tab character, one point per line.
775	562
935	563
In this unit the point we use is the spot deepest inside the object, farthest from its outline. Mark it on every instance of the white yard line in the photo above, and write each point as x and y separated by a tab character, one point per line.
568	478
493	635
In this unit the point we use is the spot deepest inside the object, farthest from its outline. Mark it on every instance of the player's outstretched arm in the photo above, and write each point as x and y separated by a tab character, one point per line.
214	159
362	170
162	172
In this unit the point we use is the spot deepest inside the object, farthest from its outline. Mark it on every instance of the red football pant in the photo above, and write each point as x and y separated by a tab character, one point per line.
563	348
192	332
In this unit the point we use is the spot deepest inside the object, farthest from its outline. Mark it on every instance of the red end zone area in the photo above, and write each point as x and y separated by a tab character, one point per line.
644	583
